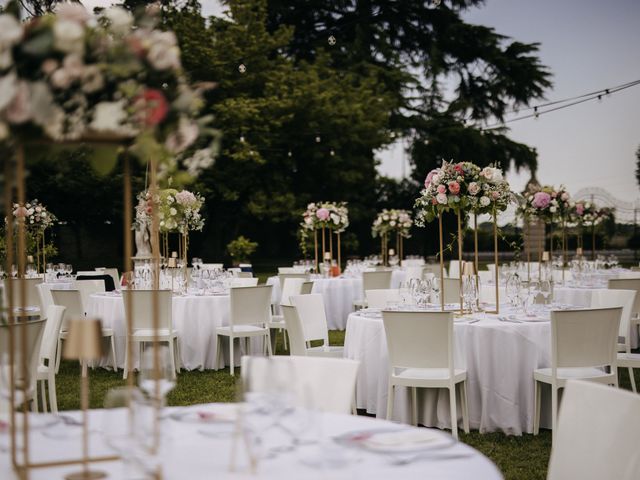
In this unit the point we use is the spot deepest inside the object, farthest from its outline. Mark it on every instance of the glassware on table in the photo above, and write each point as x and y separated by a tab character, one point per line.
512	289
156	383
434	288
546	289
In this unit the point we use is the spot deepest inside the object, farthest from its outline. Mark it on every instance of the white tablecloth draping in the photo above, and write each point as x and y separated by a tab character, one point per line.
499	357
339	294
202	450
194	317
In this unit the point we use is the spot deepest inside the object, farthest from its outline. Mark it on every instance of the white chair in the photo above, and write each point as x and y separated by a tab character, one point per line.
421	356
378	280
583	344
310	309
451	287
380	298
629	284
212	266
454	269
297	345
46	375
307	288
46	299
140	309
486	276
598	434
72	301
325	384
249	316
244	282
88	288
113	273
32	295
292	286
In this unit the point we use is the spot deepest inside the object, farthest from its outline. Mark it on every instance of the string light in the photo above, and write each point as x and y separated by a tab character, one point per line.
332	153
289	154
318	139
241	138
331	40
242	68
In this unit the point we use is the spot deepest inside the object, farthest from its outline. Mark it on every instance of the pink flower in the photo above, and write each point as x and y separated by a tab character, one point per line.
580	209
454	187
474	188
495	195
185	197
441	198
19	110
434	201
541	200
458	168
20	212
564	196
153	107
427	181
441	189
322	214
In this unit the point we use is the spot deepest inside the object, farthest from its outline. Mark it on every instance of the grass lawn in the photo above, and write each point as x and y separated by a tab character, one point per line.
519	458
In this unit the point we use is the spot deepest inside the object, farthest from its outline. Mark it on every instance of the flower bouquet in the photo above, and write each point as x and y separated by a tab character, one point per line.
333	216
37	219
388	222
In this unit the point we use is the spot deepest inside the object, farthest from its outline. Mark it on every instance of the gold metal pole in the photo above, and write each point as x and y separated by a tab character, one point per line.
441	263
475	259
564	249
593	240
315	245
460	261
128	268
339	257
323	245
495	258
331	243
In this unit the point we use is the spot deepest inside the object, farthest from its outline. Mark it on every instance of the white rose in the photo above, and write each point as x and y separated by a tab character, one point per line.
120	20
553	209
61	79
335	218
484	201
8	89
172	211
109	116
163	57
392	223
68	36
308	220
10	31
441	198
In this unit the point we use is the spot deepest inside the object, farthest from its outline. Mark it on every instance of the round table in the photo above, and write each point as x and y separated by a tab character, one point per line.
192	453
339	294
194	317
499	357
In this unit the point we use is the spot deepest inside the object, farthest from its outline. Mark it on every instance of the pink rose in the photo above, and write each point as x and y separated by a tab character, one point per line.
541	200
565	196
322	214
474	188
454	187
580	209
427	181
442	189
495	195
20	212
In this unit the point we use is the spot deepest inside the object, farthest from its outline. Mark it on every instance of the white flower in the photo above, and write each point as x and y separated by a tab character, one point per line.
173	211
109	116
8	89
61	79
335	218
73	12
92	79
553	209
120	20
164	52
68	36
10	31
441	198
19	111
392	223
484	201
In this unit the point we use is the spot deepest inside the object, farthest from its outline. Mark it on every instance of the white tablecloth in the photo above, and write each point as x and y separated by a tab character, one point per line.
194	456
194	317
499	357
338	293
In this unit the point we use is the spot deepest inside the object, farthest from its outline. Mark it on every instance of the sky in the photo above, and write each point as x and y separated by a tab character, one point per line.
587	45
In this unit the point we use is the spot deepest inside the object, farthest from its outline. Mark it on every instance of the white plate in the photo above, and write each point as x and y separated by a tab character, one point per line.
220	414
398	440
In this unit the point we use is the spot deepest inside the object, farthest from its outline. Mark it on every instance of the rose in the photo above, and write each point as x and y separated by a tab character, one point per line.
541	200
553	209
564	196
108	116
484	201
454	187
495	195
20	212
441	189
442	198
119	19
580	209
19	111
322	214
61	79
430	176
458	168
73	12
164	52
152	106
68	36
474	188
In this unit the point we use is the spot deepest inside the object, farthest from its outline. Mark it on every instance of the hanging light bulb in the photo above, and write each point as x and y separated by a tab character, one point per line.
318	139
332	40
242	68
332	152
289	154
242	138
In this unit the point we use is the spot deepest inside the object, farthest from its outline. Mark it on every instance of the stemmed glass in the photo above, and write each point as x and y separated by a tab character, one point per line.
513	287
545	290
435	289
157	383
534	290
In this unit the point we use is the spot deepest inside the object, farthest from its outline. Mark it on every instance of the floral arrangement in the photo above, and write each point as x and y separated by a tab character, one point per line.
546	203
36	216
70	75
582	212
392	221
331	215
491	193
178	211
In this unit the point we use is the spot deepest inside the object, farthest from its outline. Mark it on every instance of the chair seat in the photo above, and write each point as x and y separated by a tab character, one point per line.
629	360
106	332
591	373
148	334
277	321
43	371
242	331
326	351
414	376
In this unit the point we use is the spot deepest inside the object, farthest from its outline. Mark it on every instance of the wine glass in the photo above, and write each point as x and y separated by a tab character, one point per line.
435	285
69	269
513	288
545	289
157	380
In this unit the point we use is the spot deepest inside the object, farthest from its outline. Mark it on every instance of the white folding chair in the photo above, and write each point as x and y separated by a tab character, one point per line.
310	309
598	434
46	375
292	286
583	344
420	348
379	298
249	316
378	280
72	301
244	282
325	384
140	310
454	269
297	345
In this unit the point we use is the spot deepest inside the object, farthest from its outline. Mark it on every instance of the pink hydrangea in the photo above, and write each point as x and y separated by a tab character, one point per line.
185	197
322	214
427	181
541	200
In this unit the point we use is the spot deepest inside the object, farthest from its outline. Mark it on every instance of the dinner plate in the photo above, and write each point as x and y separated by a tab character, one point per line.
397	440
204	415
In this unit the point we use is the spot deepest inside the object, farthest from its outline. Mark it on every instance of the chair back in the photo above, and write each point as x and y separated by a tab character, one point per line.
244	274
306	288
88	288
434	269
139	308
617	298
295	332
454	269
598	434
212	266
419	339
628	284
584	338
250	305
376	280
381	297
113	273
244	282
44	293
324	384
451	287
291	286
283	276
491	268
71	300
414	271
33	297
49	343
311	311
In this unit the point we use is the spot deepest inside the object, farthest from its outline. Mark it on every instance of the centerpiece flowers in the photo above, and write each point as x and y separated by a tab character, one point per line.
321	216
37	219
389	222
71	76
585	213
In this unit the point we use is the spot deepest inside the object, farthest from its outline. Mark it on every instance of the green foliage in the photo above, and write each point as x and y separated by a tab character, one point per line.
638	165
241	248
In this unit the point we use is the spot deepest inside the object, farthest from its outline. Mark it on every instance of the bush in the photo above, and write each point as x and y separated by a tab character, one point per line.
241	249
